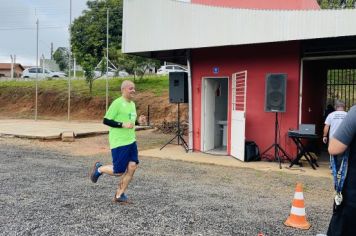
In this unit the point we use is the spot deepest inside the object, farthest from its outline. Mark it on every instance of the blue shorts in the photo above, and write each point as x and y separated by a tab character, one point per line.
121	156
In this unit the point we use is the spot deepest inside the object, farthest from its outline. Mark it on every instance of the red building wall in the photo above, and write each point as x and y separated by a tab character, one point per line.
257	60
262	4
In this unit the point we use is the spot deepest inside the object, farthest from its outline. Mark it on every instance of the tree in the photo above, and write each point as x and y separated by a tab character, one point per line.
88	34
89	30
134	64
331	4
89	71
61	56
88	39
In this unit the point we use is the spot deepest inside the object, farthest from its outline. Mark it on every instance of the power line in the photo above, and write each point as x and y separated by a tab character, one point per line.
33	28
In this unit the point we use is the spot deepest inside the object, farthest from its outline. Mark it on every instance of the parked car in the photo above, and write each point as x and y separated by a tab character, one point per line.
42	73
164	70
123	73
111	73
98	73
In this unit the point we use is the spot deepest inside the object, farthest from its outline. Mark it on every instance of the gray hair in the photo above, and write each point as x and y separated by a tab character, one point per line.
339	103
126	83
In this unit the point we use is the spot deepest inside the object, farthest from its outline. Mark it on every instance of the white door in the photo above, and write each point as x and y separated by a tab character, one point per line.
238	114
208	115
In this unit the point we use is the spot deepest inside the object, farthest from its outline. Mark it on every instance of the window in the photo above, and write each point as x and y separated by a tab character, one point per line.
179	68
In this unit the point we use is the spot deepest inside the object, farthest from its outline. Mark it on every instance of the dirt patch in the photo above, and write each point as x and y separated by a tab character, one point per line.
90	146
20	103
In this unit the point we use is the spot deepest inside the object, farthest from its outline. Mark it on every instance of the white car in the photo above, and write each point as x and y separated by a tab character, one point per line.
123	73
42	73
164	70
98	73
111	73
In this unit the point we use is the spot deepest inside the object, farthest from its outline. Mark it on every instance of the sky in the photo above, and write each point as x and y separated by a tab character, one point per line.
18	27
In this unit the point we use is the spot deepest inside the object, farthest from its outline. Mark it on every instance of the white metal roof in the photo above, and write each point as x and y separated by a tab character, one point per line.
156	25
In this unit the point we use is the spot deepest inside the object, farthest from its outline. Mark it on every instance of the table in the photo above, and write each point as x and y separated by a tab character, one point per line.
302	149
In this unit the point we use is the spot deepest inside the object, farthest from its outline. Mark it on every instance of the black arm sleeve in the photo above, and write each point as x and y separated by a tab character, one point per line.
136	122
112	123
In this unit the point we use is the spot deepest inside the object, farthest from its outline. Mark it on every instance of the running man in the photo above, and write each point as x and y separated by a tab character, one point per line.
121	117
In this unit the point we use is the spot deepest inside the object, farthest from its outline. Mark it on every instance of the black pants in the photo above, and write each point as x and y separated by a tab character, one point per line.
343	220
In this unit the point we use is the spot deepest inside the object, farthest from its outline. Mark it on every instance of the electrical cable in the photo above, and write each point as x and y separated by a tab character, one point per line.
33	28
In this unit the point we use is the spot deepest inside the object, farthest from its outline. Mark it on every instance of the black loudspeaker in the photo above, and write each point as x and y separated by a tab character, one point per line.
275	96
178	87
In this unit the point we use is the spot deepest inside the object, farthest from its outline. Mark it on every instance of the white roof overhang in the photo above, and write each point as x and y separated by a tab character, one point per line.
162	25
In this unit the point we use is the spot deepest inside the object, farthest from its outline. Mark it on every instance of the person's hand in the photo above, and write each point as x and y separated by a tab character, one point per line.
127	125
142	120
325	140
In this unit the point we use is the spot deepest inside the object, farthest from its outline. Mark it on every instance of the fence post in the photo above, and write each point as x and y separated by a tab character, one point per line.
148	115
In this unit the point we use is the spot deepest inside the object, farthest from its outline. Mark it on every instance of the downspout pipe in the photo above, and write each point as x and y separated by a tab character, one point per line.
190	101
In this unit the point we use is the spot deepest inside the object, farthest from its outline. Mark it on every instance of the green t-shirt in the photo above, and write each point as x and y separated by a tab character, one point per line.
121	110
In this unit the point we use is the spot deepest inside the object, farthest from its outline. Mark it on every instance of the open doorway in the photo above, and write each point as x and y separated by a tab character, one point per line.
323	81
214	115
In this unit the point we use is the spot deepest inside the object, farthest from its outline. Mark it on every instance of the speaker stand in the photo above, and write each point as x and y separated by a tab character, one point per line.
276	145
178	136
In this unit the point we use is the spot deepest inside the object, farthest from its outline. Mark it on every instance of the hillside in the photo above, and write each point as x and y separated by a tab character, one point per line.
18	100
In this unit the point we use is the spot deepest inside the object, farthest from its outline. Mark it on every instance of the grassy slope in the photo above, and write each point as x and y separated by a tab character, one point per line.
17	99
154	84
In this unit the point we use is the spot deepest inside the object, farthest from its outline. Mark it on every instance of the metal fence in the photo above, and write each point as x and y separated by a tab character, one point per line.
341	84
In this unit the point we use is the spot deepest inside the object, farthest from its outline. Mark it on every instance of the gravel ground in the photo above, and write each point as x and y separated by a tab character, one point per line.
46	191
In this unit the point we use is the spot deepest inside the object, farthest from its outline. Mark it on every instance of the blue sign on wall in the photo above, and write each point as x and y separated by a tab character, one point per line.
216	70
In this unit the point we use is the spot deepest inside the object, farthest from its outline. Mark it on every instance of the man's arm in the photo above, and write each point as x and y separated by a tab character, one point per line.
112	123
110	115
336	147
325	133
115	124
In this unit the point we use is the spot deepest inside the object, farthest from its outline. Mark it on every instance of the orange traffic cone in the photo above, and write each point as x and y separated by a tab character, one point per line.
297	217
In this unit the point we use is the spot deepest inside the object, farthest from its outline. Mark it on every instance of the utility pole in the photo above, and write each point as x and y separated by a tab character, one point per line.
37	23
107	59
12	67
70	56
43	66
52	51
74	67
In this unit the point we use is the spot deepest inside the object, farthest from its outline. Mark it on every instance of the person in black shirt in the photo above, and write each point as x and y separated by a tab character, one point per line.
344	215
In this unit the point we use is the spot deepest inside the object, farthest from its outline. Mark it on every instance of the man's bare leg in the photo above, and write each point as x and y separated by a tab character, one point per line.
109	170
126	178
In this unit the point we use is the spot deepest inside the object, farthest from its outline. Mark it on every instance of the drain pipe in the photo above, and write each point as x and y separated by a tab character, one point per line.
190	105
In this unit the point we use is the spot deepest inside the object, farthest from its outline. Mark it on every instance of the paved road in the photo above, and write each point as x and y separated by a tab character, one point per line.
48	193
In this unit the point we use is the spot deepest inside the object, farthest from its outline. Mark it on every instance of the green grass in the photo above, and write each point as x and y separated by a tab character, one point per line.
154	84
79	74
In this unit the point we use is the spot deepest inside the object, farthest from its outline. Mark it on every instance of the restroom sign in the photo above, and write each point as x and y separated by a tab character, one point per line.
215	70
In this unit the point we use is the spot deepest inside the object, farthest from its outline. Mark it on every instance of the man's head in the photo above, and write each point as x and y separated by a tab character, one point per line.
339	105
128	89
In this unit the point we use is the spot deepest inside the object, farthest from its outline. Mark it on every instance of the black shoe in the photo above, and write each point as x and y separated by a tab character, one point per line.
94	176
